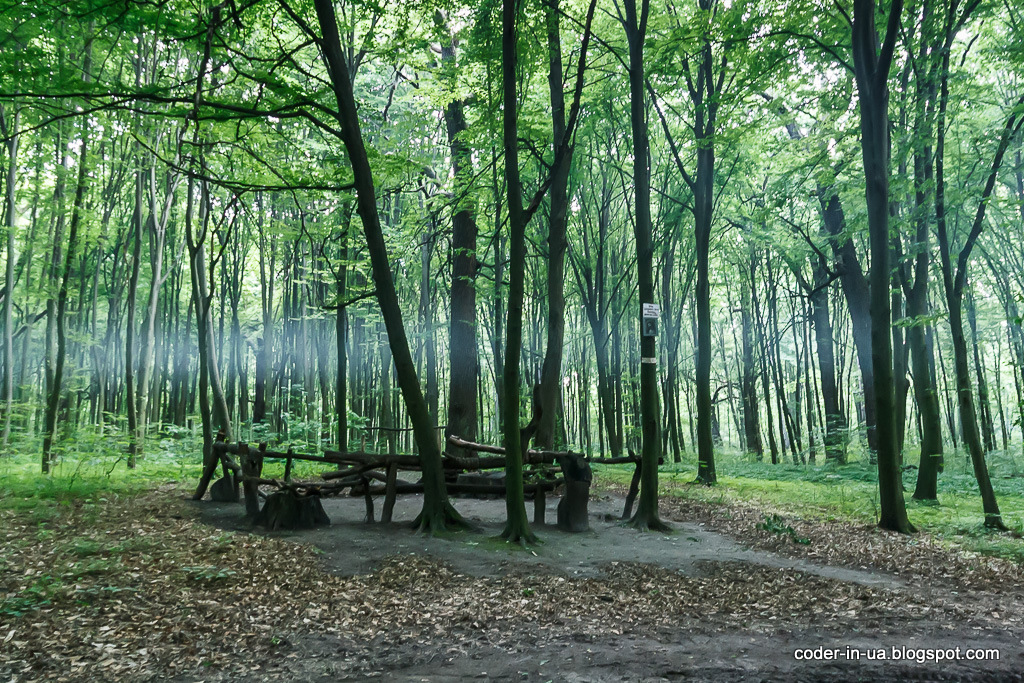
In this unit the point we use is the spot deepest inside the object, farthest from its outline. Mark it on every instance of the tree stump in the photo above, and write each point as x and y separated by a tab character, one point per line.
225	490
287	510
572	509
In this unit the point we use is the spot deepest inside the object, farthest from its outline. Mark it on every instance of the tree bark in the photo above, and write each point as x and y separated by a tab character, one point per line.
10	127
53	399
517	526
871	66
954	279
437	512
463	357
551	374
646	516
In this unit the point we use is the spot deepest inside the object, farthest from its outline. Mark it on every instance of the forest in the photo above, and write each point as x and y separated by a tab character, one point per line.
776	241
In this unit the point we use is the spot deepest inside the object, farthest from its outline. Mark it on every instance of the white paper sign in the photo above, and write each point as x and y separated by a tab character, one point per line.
652	311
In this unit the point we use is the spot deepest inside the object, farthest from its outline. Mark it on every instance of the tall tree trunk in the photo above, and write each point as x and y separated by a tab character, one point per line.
835	420
427	321
954	279
53	399
748	382
215	411
646	516
463	356
918	335
517	527
551	374
129	345
265	344
988	435
341	341
157	238
10	127
871	66
437	512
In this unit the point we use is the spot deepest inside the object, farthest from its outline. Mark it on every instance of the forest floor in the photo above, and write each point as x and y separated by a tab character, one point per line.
153	586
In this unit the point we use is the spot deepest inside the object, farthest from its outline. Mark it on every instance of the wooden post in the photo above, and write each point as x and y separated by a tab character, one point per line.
389	493
540	502
249	476
223	463
288	465
369	499
634	487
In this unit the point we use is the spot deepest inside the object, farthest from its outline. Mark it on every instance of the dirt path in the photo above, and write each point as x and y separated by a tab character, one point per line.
617	605
353	547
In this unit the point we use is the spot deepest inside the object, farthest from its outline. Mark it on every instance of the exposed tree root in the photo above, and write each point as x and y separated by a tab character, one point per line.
434	522
519	533
648	522
899	528
995	522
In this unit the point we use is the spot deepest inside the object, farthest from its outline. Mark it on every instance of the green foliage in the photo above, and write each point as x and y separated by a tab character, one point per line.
777	525
37	595
92	474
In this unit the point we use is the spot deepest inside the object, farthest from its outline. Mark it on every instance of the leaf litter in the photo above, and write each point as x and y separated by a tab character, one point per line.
139	589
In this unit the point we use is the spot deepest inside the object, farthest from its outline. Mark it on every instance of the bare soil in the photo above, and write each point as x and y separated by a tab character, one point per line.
718	599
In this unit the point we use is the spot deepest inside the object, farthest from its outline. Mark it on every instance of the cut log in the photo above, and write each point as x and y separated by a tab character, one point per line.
286	510
493	483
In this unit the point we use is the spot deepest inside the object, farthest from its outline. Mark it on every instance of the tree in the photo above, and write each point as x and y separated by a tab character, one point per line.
463	357
954	278
871	67
9	127
635	24
551	374
437	514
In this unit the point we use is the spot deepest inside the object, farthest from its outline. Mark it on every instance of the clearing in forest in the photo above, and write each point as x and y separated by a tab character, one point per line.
153	587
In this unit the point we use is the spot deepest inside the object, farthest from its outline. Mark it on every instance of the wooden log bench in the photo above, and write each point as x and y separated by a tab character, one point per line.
296	504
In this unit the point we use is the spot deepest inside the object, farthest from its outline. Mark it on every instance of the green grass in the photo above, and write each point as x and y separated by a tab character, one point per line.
850	493
91	470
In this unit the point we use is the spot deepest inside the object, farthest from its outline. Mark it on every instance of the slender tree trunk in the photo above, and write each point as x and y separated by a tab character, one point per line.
157	238
646	516
517	527
53	399
871	65
835	420
551	374
341	341
918	335
10	128
129	344
954	282
437	512
463	357
984	406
